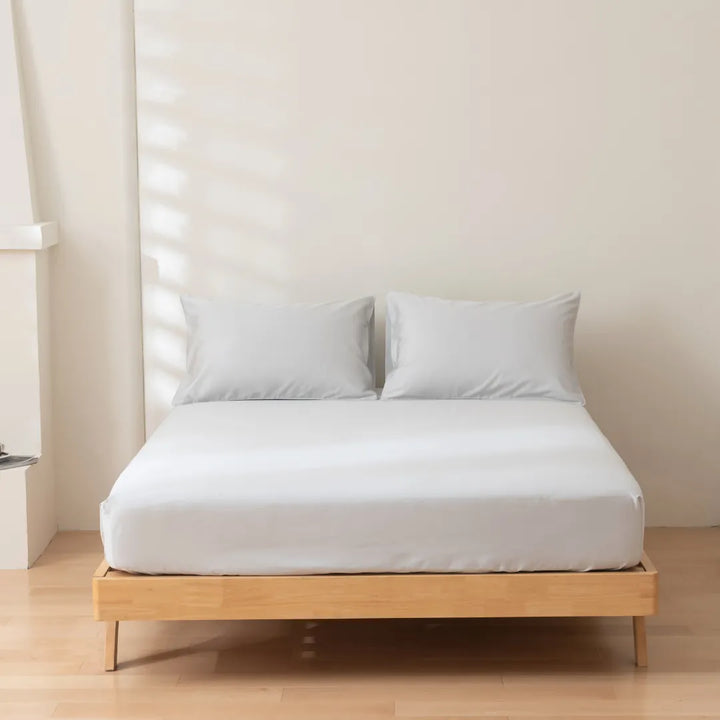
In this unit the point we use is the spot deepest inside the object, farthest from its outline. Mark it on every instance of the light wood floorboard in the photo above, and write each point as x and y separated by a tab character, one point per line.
52	658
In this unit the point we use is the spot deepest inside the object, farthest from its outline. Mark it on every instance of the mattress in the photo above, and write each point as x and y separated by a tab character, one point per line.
297	487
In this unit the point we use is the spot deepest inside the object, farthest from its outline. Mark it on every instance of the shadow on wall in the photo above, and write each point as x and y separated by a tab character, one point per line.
211	170
308	151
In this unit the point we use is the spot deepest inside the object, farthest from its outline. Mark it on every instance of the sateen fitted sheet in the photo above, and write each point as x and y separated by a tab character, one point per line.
288	487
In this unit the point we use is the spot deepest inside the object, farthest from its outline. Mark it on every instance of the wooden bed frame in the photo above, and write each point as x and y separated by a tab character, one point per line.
122	596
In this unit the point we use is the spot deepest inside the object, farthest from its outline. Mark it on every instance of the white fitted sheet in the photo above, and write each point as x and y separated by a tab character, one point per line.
288	487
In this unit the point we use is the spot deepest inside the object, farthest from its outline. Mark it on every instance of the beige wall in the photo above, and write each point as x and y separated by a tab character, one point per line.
77	67
329	149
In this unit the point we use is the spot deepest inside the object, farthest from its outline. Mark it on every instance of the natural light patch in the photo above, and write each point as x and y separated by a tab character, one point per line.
163	307
162	384
158	219
152	6
157	133
158	90
162	177
514	448
172	265
151	45
168	348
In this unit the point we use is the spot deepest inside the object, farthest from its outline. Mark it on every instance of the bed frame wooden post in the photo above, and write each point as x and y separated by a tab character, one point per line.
639	631
111	625
640	637
111	644
614	593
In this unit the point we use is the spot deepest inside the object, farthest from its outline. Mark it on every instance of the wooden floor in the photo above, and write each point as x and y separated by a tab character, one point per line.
51	655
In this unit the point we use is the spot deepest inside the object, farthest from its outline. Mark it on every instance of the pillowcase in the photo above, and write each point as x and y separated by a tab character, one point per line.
242	351
486	350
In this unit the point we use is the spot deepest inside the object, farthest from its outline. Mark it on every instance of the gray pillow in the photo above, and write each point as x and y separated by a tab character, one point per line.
243	351
460	349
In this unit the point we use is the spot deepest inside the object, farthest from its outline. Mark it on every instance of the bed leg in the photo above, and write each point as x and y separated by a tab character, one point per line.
641	657
111	643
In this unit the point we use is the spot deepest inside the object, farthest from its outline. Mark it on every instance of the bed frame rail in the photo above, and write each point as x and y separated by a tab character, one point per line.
123	596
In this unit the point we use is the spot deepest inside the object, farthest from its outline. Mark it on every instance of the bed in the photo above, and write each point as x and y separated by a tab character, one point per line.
349	509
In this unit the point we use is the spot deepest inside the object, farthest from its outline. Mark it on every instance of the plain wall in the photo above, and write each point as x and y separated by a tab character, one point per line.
77	69
488	150
332	149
